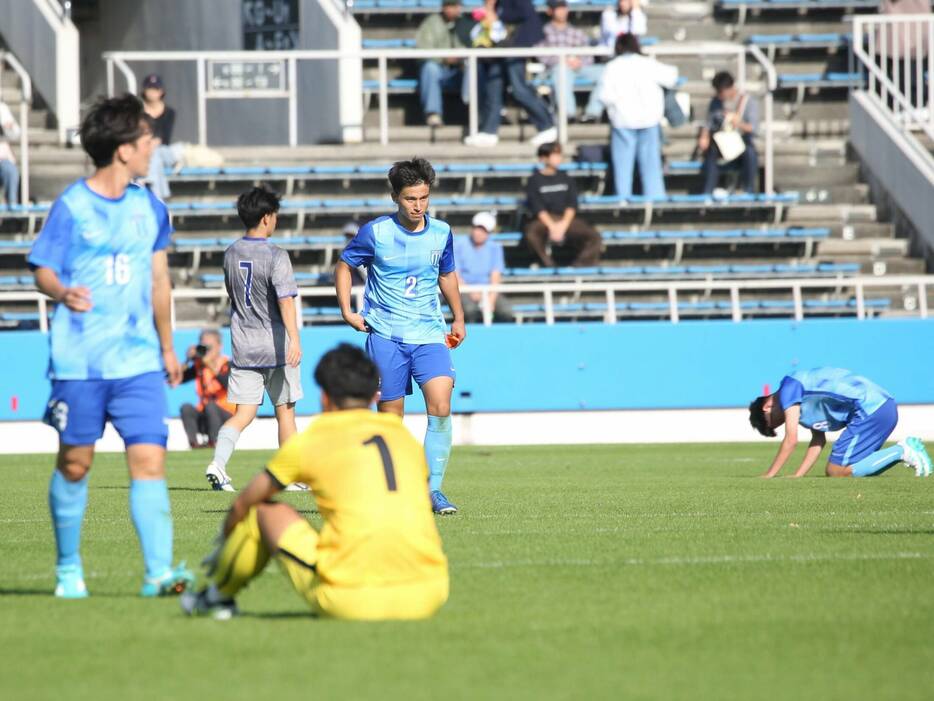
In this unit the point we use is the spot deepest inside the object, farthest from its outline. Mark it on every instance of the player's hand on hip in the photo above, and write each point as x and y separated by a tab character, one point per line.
77	299
357	321
173	370
293	356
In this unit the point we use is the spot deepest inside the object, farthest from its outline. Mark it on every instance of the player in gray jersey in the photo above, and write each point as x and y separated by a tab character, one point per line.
263	330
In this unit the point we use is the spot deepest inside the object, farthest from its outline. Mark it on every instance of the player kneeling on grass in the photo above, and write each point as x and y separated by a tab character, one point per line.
378	555
830	399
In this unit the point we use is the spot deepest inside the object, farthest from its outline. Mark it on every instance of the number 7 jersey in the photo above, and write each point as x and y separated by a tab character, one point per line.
105	245
401	297
369	478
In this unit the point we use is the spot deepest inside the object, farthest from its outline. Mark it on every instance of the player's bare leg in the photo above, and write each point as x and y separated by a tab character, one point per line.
285	418
68	498
834	470
216	472
438	437
394	406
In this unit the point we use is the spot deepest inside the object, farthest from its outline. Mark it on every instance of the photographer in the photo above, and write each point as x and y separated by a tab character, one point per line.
210	370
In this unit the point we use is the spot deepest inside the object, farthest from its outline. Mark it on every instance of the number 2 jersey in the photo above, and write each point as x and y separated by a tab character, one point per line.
401	296
830	398
369	478
257	275
105	245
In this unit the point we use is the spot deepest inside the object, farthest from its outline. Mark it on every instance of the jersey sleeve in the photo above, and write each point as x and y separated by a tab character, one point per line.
790	392
359	251
283	280
52	244
164	224
446	265
286	465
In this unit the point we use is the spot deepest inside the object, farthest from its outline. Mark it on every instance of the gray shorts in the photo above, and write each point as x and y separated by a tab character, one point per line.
282	384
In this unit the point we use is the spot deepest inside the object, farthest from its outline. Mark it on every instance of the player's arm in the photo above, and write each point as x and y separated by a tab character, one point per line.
343	283
261	488
789	442
818	440
287	308
447	282
162	314
77	299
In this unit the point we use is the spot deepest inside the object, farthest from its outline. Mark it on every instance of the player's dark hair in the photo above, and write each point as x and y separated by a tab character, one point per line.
546	150
757	417
627	44
346	374
407	173
722	81
109	124
256	203
212	332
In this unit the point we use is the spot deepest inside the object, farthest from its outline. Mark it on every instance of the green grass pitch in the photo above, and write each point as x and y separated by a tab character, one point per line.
584	572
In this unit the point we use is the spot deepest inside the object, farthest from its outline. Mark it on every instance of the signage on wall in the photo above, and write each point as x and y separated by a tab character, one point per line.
270	25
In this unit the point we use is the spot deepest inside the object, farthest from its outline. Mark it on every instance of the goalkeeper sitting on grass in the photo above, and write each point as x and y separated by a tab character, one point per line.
378	555
830	399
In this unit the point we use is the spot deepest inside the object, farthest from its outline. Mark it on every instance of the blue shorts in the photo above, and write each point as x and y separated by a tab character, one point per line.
399	362
136	406
865	436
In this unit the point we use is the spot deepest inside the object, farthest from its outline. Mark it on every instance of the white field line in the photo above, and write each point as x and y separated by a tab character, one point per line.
803	558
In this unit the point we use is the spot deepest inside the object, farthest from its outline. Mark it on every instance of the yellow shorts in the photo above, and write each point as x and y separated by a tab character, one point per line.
298	551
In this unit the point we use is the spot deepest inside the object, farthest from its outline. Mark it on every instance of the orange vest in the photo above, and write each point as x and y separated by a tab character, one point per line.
209	387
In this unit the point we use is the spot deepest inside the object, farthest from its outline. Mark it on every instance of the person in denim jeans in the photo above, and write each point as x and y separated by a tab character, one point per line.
631	89
436	76
725	108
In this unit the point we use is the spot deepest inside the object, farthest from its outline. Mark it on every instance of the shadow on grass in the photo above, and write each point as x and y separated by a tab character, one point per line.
47	593
305	512
884	531
280	615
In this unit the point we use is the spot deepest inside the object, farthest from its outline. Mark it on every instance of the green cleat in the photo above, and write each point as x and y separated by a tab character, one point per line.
174	581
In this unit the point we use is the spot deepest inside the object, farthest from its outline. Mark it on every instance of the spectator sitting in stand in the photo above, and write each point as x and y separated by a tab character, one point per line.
631	89
9	173
480	262
560	33
729	110
552	203
445	30
164	154
626	18
526	31
210	370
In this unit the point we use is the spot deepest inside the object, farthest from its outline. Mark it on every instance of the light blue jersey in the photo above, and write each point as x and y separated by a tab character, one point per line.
830	398
401	297
107	246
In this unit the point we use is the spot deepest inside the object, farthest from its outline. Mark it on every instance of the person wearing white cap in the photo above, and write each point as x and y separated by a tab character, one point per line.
480	262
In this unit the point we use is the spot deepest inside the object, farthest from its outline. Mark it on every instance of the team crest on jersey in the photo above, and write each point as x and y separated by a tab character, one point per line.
436	257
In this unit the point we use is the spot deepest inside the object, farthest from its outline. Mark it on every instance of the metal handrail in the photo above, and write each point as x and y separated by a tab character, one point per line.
609	289
120	59
24	105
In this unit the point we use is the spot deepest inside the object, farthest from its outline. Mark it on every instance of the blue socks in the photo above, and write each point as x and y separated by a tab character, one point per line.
152	517
877	462
67	502
437	449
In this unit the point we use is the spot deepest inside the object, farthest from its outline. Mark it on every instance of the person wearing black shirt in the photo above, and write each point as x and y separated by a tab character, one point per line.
552	202
163	122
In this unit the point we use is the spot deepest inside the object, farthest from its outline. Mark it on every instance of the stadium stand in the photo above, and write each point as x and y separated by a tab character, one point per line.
820	227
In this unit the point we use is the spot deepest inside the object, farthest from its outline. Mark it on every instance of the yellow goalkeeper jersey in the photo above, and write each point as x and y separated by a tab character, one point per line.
370	481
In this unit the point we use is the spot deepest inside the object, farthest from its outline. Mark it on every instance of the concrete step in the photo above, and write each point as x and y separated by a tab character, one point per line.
830	213
874	248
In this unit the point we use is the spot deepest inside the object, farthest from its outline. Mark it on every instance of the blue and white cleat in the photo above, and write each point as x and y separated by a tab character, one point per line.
174	581
927	466
218	478
441	505
70	582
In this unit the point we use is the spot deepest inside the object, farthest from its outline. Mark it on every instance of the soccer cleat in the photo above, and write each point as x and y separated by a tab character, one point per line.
70	582
200	604
922	455
218	478
441	505
297	487
174	581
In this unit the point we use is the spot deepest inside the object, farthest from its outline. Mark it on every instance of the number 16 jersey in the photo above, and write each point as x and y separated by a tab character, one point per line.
401	296
105	245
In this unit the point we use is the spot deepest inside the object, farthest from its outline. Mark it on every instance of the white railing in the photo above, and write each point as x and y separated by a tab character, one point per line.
897	52
24	105
609	290
119	61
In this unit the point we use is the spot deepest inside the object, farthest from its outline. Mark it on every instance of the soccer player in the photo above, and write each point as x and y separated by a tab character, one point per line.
101	255
409	256
378	555
830	399
263	330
